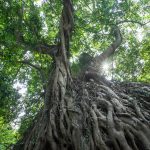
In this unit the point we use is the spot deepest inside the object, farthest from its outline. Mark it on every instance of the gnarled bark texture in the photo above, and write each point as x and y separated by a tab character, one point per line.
95	116
89	113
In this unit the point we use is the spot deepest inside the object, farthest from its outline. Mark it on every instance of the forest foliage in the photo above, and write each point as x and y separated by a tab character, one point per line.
27	26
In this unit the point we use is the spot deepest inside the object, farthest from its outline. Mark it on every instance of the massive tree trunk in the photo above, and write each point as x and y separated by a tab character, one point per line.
89	113
95	116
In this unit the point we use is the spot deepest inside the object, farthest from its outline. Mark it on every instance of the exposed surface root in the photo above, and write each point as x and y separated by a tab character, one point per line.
95	117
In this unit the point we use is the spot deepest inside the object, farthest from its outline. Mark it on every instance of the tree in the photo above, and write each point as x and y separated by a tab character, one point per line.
8	137
84	112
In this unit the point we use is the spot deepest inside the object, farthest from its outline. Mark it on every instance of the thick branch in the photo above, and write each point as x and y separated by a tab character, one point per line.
47	49
40	48
30	64
111	49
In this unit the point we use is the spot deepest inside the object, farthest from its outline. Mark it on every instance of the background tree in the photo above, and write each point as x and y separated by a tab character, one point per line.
88	112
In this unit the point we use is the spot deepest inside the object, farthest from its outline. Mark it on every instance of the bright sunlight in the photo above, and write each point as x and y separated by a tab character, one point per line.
106	67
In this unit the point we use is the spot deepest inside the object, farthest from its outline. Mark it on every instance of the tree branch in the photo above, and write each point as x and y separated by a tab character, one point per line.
30	64
38	68
47	49
132	21
111	49
41	48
